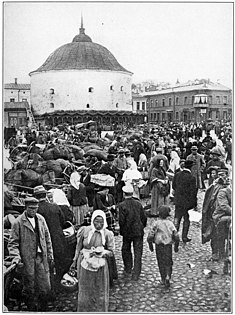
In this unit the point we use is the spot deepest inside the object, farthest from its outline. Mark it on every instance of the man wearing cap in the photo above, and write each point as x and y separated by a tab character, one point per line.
214	163
198	165
185	197
209	231
132	221
54	217
30	244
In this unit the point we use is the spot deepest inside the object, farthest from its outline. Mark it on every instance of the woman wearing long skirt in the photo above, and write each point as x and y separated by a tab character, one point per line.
94	245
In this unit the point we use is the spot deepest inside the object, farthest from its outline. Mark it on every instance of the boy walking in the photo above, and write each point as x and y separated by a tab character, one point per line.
163	233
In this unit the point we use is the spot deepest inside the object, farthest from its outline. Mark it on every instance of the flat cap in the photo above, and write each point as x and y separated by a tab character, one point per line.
194	147
31	200
222	171
39	190
128	189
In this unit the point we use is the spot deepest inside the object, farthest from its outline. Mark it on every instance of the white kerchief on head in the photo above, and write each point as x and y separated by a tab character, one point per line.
75	180
95	214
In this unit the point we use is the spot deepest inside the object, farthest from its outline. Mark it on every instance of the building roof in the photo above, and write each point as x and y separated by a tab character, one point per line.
191	87
14	105
13	86
81	54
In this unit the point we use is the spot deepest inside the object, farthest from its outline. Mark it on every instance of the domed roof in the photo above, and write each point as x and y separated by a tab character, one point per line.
81	54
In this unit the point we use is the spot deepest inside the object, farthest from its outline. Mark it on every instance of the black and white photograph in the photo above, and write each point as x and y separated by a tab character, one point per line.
117	154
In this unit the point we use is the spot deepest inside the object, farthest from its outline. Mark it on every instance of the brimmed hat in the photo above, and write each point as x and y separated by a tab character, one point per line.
194	147
80	169
39	190
31	201
110	157
79	162
216	151
128	189
121	151
222	171
188	164
158	150
127	151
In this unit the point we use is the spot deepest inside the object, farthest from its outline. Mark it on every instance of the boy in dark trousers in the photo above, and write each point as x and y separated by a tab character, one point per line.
163	233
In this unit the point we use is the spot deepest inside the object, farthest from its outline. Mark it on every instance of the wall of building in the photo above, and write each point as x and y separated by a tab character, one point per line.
71	91
17	95
219	106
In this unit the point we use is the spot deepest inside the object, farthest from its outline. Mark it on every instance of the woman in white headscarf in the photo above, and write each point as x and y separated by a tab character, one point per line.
77	198
132	176
94	245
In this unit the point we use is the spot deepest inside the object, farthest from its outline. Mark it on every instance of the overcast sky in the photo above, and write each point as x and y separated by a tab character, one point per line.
157	41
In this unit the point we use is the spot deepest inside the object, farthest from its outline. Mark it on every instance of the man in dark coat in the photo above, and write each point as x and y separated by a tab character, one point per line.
55	221
185	197
109	169
132	221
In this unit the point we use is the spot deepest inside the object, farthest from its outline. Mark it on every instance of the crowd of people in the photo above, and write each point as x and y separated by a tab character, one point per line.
170	163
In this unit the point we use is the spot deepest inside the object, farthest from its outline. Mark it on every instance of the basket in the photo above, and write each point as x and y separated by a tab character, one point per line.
69	283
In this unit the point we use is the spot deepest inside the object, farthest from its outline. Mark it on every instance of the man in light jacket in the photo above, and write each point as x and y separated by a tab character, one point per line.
30	244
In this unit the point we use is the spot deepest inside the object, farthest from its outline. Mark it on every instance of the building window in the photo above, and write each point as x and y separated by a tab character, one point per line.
11	92
87	105
158	116
151	116
192	115
156	103
20	121
12	100
224	115
91	89
52	91
154	116
177	115
163	116
217	99
225	100
116	105
210	114
24	92
185	100
210	99
111	87
143	105
151	102
169	101
52	105
177	101
138	105
163	102
121	89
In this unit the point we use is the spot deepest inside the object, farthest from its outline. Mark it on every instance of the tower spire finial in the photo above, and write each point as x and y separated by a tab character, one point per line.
81	29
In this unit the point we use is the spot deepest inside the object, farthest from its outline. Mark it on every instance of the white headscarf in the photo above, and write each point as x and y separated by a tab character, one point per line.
95	214
59	197
75	180
131	173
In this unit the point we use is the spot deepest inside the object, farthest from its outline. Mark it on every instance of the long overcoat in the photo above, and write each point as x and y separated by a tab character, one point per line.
22	243
184	185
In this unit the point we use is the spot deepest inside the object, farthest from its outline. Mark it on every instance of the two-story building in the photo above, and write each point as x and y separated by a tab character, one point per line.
16	104
139	106
193	102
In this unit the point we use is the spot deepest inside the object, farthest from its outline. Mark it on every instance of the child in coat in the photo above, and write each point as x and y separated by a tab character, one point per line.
163	233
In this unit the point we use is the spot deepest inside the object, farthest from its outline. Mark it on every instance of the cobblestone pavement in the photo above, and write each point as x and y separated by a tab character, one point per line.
191	290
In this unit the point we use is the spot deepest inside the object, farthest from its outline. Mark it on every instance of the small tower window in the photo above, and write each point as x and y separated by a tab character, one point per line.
121	88
116	105
52	91
91	89
87	105
111	87
12	100
52	105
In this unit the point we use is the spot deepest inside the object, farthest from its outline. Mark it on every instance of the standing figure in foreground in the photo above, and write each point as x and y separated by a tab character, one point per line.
163	233
160	187
132	221
30	243
94	244
185	197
